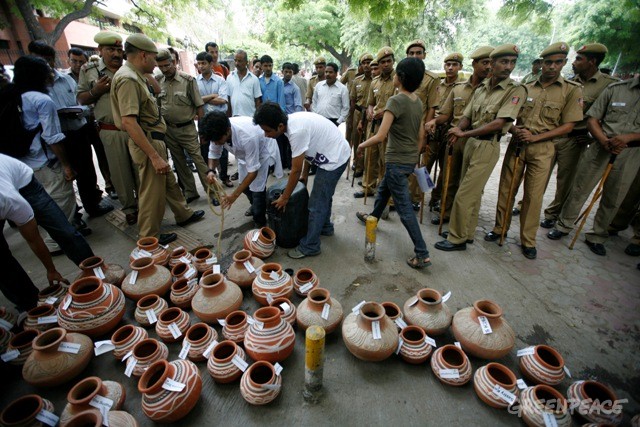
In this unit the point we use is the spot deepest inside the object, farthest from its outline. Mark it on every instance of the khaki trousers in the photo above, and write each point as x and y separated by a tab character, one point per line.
178	141
374	161
533	166
123	175
356	139
454	175
628	211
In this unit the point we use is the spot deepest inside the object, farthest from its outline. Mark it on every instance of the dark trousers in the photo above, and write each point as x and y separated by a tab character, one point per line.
285	151
15	284
224	161
77	145
258	200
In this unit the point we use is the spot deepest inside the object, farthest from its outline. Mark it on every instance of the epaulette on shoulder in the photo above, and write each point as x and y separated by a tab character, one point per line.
618	82
432	74
571	82
187	76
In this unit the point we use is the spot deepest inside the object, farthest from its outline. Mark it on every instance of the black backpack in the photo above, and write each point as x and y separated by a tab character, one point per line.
16	139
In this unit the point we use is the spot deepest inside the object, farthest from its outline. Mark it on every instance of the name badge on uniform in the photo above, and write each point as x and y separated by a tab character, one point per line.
618	104
358	86
529	99
457	98
375	90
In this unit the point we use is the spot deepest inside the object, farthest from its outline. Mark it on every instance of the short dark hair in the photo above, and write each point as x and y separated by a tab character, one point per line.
287	66
266	59
31	73
40	48
410	72
212	44
334	66
598	57
214	125
255	61
296	68
129	48
77	52
536	61
204	56
176	55
270	114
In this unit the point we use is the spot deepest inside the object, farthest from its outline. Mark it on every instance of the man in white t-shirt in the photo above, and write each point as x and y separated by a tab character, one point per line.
318	141
255	153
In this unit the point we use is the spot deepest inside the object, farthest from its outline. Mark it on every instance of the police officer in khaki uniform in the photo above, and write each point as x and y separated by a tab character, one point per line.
180	102
614	122
380	91
94	84
552	108
320	63
347	80
492	109
358	97
135	111
450	113
570	149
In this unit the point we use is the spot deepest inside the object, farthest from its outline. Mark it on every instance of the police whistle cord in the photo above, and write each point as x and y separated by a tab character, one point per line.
218	192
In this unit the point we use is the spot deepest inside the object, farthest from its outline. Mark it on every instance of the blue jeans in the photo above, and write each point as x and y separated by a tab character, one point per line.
320	201
395	184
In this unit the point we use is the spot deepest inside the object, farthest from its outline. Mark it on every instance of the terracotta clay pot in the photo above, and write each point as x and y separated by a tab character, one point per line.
83	392
147	352
5	338
126	338
254	380
184	271
428	311
220	364
309	311
169	317
237	271
304	281
169	406
24	410
392	310
152	279
203	259
273	281
179	255
274	341
149	302
46	366
236	326
44	310
357	333
121	419
415	349
535	401
52	295
451	357
113	273
216	298
149	247
487	377
96	308
466	329
544	366
593	401
262	246
182	292
23	343
289	315
7	319
88	418
199	336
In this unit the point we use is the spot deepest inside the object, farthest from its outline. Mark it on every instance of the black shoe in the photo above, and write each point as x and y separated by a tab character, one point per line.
85	231
436	220
101	208
613	232
197	216
249	212
632	249
445	234
165	239
132	218
360	194
596	248
515	212
529	252
113	195
492	237
57	252
548	223
416	206
228	183
434	206
556	234
192	167
360	183
357	174
192	198
311	173
215	201
234	177
447	246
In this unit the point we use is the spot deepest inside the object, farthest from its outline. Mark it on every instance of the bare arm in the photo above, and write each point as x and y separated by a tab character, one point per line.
58	150
382	133
526	136
246	182
297	164
31	234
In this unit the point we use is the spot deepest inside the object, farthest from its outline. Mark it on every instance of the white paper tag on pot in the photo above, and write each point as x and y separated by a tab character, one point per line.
210	261
269	298
271	386
414	302
10	355
102	347
400	342
526	351
216	269
549	419
51	300
566	371
222	322
47	319
278	368
400	323
151	316
358	307
249	267
49	418
241	364
306	288
274	275
286	308
446	296
503	394
192	282
452	374
457	344
101	403
126	356
185	260
67	302
521	384
145	254
256	235
173	385
375	330
430	341
5	325
131	364
69	347
257	323
209	349
133	277
186	346
484	324
191	272
98	272
175	331
325	311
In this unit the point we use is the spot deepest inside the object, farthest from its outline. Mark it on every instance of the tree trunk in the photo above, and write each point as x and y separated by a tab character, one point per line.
36	32
344	57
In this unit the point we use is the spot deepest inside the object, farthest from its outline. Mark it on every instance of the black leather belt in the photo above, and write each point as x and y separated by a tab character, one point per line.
159	136
579	132
180	125
486	137
361	109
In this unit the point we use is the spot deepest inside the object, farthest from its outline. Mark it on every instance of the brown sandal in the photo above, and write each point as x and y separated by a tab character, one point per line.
415	262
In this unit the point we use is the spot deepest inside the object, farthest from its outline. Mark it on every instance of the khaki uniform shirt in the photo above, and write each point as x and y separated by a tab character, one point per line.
360	90
457	100
130	96
500	102
444	89
348	77
380	90
179	99
592	88
530	78
313	81
89	75
547	108
428	90
618	108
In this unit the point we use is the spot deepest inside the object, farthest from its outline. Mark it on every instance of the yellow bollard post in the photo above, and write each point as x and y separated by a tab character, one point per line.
370	239
314	363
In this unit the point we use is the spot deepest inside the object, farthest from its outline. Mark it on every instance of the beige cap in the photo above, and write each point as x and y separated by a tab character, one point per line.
163	55
505	50
142	42
555	49
455	56
482	52
383	53
108	38
416	42
593	48
320	60
366	57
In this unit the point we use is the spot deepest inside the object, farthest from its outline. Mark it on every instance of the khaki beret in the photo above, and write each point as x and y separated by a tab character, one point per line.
320	60
142	42
374	63
555	49
505	50
414	43
593	48
482	52
163	55
455	56
108	38
366	57
383	53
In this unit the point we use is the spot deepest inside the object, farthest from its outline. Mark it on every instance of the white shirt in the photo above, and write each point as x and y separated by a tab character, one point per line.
243	93
332	101
14	175
318	139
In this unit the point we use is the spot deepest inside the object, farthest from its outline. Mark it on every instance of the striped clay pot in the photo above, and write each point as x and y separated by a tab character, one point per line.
220	364
260	384
544	366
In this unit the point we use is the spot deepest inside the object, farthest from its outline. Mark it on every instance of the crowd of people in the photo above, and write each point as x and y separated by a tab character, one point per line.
135	113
